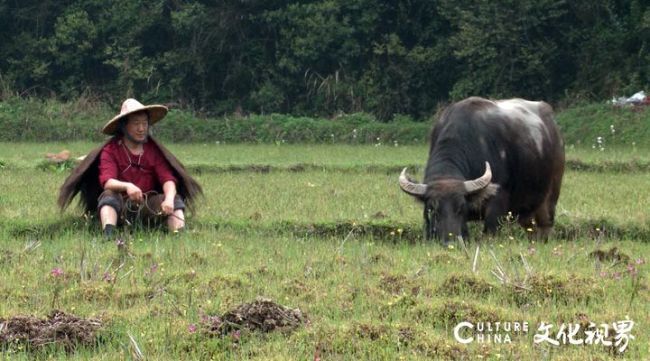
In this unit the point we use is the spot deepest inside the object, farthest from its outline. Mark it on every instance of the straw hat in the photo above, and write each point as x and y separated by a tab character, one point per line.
130	106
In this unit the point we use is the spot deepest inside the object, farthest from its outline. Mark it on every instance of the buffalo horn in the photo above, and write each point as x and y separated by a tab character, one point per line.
479	183
414	189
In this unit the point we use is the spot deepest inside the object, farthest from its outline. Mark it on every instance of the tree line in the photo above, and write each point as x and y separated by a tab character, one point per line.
323	57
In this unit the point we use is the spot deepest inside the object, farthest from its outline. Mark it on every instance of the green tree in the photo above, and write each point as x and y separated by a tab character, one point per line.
507	48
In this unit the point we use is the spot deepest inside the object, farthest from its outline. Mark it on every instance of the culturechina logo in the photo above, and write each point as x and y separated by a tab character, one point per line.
488	332
617	334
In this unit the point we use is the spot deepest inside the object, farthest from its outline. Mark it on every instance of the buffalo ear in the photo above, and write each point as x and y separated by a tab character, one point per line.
476	200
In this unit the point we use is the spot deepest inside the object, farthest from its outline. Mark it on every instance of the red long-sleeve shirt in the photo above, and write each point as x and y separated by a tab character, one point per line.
148	171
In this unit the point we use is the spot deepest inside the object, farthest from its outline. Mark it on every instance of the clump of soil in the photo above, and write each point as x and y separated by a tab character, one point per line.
296	287
405	335
452	312
398	284
6	257
220	282
567	290
440	349
372	332
393	283
260	315
58	328
457	284
613	255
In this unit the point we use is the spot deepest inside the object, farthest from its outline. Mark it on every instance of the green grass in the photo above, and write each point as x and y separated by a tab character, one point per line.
358	295
340	242
268	199
581	125
210	157
27	155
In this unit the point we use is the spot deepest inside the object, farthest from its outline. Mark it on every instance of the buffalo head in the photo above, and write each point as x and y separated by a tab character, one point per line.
450	203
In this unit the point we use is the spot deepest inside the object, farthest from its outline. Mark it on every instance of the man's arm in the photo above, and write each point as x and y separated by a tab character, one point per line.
131	189
169	188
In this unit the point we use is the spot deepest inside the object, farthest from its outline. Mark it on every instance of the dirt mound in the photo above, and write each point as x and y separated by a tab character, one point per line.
452	312
58	328
613	255
398	284
260	315
6	257
565	289
459	284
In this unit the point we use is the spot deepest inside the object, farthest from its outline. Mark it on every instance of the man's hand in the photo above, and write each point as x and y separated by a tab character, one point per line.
169	189
134	193
167	206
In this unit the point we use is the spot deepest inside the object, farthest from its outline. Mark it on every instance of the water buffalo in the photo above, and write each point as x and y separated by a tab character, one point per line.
488	158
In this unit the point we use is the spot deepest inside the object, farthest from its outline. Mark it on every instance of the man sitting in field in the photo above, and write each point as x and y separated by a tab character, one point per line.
132	176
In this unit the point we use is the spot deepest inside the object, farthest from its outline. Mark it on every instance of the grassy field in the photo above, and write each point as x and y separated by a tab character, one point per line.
324	229
217	156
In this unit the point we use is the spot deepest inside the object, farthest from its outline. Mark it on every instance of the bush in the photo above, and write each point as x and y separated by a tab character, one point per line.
34	120
38	120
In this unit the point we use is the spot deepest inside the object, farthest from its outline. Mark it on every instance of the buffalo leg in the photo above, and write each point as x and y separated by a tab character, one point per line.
428	226
545	214
545	218
496	208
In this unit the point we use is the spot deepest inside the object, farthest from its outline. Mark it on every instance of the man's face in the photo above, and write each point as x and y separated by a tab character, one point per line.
137	126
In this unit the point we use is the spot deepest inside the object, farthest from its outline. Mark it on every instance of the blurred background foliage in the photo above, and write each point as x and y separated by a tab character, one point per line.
323	57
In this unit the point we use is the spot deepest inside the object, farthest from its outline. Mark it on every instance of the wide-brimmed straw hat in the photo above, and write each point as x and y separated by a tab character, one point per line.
130	106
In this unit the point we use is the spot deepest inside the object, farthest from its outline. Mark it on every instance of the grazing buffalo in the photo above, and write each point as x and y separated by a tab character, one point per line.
488	158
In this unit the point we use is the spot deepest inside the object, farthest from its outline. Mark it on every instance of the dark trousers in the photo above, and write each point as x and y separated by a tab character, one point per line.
148	212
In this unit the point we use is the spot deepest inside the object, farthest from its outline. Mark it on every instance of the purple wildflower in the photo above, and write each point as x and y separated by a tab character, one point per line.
191	328
56	272
631	269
